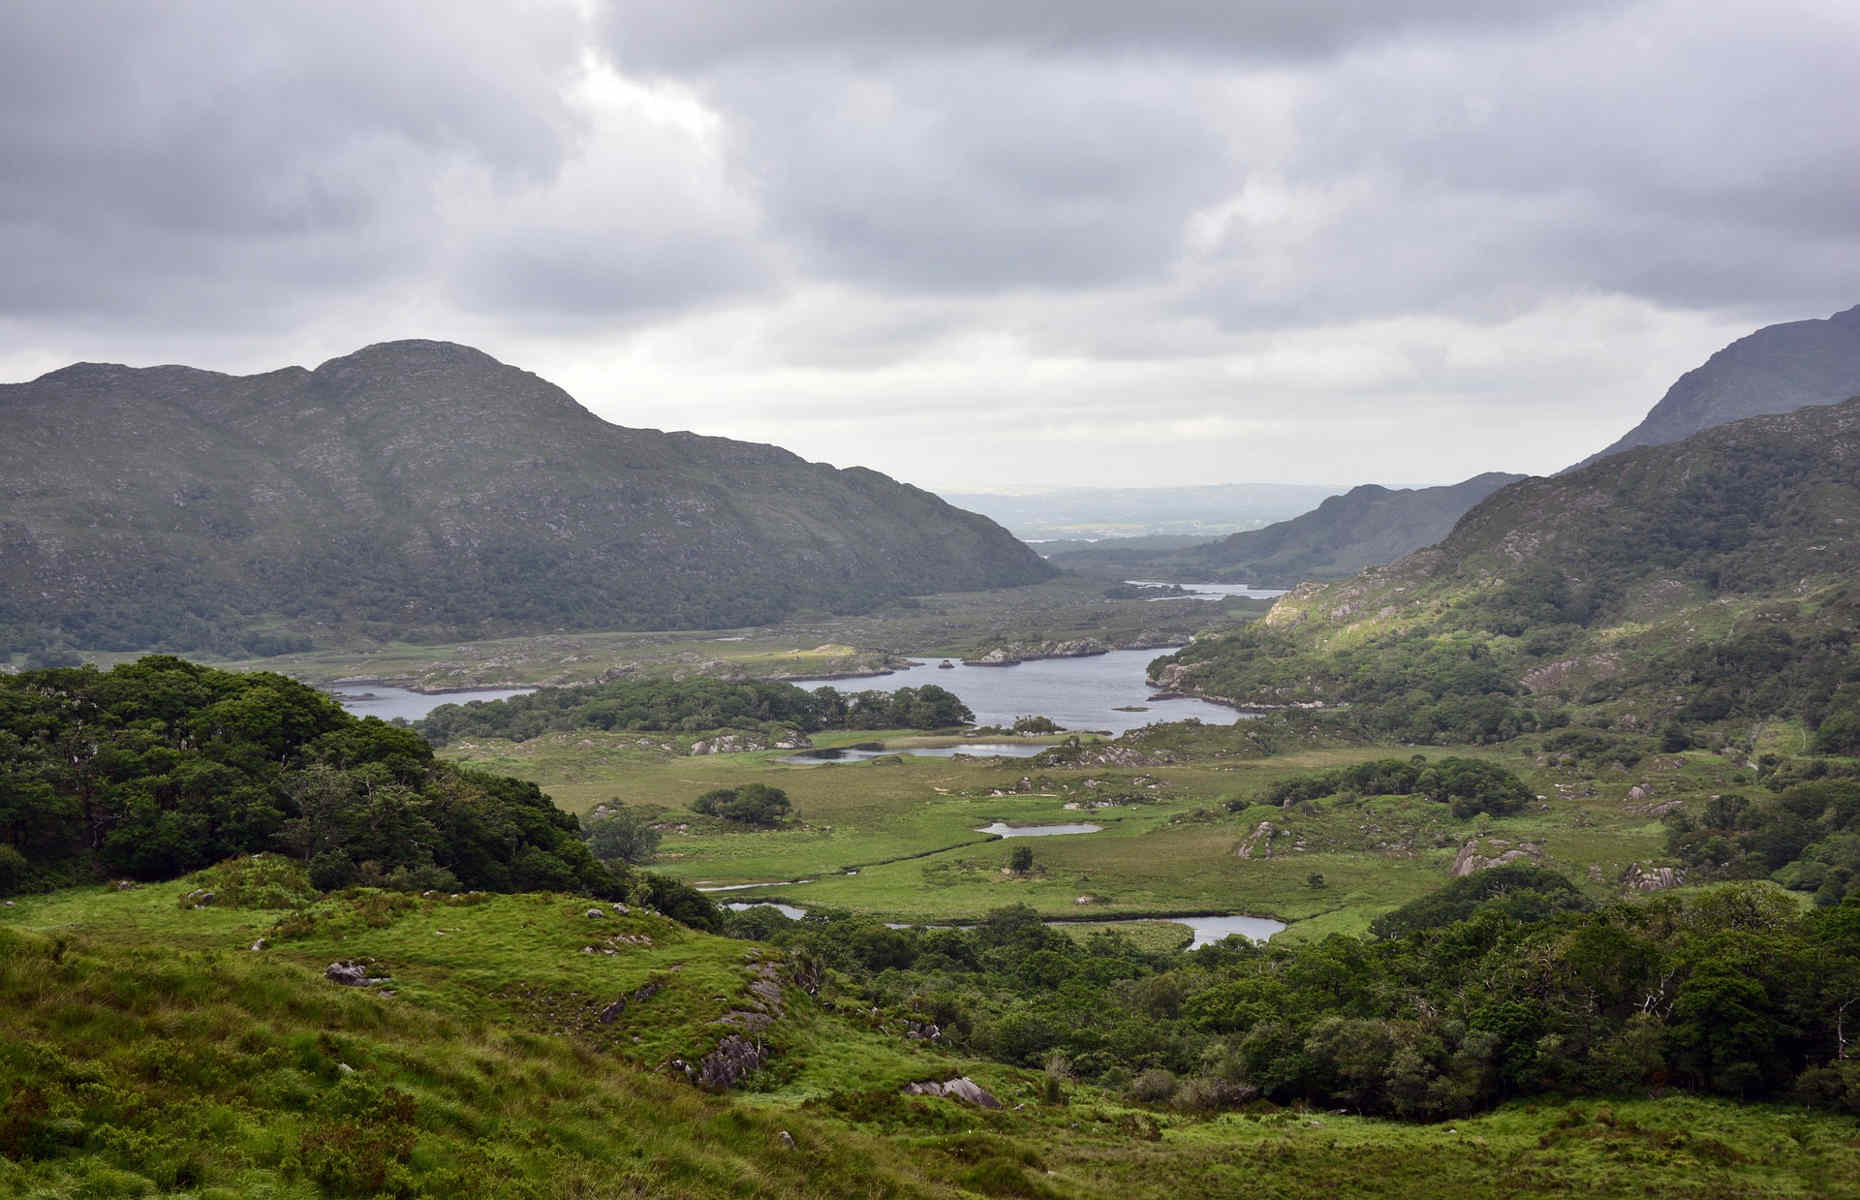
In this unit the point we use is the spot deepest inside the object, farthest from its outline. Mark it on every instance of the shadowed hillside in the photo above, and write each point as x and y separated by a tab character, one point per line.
419	487
1777	369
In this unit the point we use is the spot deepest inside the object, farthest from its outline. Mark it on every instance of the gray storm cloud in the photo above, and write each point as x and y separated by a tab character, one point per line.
797	221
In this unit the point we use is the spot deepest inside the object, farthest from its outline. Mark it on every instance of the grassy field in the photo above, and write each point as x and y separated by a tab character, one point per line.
1169	843
146	1049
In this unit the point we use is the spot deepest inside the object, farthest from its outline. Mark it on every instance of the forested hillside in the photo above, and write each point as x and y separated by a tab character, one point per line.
161	767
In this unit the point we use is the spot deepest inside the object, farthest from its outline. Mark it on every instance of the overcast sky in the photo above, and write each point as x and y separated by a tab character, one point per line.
972	243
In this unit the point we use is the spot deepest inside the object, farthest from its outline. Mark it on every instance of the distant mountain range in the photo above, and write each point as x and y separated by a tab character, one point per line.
1096	513
1710	577
425	489
1363	527
1777	369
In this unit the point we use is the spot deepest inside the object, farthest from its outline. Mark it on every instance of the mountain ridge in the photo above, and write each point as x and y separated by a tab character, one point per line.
1702	580
1776	369
1368	525
422	486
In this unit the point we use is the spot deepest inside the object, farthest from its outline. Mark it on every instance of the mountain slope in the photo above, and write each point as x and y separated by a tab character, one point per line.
1709	578
1777	369
1364	527
421	487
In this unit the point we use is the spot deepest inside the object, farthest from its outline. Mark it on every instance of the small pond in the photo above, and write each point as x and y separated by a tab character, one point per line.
1003	829
1210	591
864	753
1205	931
790	911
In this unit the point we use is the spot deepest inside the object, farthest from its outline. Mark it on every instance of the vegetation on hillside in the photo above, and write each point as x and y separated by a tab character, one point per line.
1506	985
1467	786
1694	583
161	767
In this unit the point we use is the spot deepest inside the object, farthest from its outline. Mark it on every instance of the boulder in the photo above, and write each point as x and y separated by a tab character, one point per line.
1259	841
734	1060
348	974
961	1089
1651	879
1471	857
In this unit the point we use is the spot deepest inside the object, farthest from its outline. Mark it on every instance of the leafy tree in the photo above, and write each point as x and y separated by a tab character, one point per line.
1020	861
751	804
619	834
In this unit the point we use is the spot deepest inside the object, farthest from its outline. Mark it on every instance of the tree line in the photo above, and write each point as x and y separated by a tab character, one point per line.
1505	984
693	705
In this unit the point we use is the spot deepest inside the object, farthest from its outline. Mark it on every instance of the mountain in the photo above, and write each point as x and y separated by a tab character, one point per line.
1777	369
1702	580
1206	511
422	488
1363	527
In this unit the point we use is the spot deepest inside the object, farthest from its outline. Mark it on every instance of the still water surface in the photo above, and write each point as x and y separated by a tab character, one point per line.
1078	693
1004	830
808	758
379	700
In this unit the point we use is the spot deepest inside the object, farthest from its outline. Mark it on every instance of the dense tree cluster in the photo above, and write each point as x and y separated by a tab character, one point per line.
1468	786
1806	836
691	705
1506	985
161	766
1408	687
750	804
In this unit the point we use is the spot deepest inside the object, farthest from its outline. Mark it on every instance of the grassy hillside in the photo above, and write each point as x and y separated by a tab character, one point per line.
1702	581
425	488
145	1049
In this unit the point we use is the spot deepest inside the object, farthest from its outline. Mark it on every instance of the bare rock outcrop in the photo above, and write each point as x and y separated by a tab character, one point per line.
1474	856
351	974
735	1059
961	1089
1258	843
1651	879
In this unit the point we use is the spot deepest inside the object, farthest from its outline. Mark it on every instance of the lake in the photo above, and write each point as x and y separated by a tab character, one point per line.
1078	693
379	700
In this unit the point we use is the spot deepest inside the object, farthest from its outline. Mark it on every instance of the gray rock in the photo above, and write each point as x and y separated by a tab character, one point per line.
1259	841
735	1059
348	974
961	1089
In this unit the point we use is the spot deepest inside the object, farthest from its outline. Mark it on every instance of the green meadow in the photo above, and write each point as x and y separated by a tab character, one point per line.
147	1049
897	837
